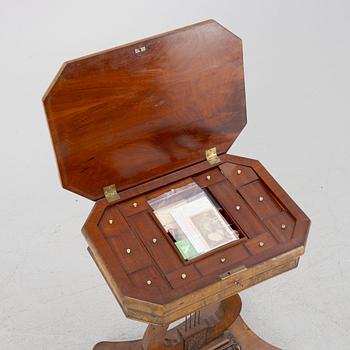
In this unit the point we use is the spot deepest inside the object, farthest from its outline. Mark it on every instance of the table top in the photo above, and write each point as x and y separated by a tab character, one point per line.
152	282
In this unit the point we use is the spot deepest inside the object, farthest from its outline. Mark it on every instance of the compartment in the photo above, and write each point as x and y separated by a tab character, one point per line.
260	199
222	260
239	212
209	177
181	277
149	279
167	262
113	223
132	255
133	206
238	175
260	243
195	223
281	226
227	216
155	241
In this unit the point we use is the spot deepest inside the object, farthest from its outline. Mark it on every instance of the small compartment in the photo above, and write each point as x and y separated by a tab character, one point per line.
260	199
155	241
181	277
235	206
167	262
209	178
193	220
222	260
260	243
281	226
238	175
134	206
132	255
113	223
149	279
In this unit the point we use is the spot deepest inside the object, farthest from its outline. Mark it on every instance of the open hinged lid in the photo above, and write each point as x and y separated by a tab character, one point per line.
139	111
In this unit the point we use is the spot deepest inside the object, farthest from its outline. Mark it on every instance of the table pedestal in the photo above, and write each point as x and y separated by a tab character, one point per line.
215	327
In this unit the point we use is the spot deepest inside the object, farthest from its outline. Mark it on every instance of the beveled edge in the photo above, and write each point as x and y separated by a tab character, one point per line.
168	313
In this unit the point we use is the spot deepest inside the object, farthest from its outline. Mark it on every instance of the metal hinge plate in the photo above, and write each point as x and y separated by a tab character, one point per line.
111	193
212	156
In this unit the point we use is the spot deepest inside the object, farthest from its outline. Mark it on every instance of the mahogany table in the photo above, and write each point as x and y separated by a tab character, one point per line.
136	121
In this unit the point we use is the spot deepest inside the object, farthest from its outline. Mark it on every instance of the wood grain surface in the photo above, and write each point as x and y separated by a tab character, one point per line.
120	117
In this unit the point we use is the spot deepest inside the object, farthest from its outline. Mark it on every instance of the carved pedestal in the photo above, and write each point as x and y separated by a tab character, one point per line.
216	327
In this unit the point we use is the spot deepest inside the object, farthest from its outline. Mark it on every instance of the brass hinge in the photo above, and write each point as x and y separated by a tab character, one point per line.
111	193
212	156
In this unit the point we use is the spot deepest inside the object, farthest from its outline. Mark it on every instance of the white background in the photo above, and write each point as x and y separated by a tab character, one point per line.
297	82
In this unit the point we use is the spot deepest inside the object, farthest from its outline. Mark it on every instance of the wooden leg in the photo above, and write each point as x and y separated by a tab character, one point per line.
216	327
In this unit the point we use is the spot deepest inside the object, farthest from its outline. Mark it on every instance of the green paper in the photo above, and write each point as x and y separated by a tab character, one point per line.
186	249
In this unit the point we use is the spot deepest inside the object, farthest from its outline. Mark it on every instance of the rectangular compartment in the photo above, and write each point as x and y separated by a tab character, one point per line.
260	199
133	206
222	260
113	223
281	226
193	220
238	175
234	205
155	240
130	252
183	276
149	279
260	243
209	177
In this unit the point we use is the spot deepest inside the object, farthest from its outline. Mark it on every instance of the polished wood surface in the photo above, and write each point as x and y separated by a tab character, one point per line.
273	234
217	327
120	117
